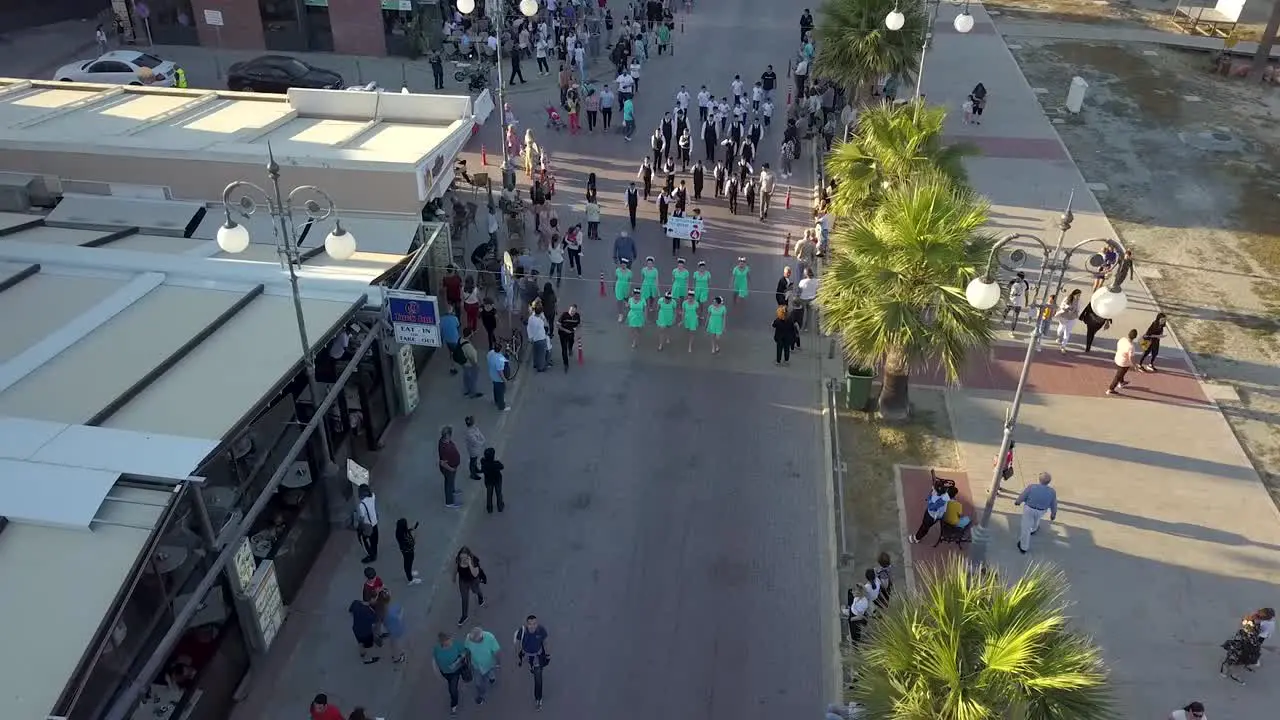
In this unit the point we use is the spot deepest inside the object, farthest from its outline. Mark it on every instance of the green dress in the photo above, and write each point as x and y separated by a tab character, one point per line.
740	280
635	313
715	320
666	313
679	283
701	285
648	283
691	315
621	283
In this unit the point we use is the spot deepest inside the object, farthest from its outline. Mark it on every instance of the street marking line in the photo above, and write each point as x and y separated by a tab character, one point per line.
1098	187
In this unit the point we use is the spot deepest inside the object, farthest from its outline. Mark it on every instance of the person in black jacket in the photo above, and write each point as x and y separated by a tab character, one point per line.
668	129
699	177
492	469
405	541
784	337
709	139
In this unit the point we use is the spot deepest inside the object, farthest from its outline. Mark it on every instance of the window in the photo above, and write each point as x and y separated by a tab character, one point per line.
147	61
278	11
110	66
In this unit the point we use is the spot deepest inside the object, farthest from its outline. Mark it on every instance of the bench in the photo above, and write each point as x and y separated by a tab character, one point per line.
1218	21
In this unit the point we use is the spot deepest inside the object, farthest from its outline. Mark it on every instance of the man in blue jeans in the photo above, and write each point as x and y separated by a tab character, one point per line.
531	646
498	374
450	334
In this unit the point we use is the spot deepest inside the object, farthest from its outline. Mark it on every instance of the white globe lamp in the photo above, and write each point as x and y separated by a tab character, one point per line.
466	7
982	294
964	22
528	8
1109	303
895	20
340	244
232	237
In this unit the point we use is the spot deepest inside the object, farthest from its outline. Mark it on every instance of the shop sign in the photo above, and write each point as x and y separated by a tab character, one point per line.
408	379
268	605
400	5
213	18
684	228
243	567
415	317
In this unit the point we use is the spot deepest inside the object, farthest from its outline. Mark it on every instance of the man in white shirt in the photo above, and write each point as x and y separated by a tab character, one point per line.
682	98
722	115
626	86
1018	289
704	104
735	88
536	331
767	182
492	43
1124	361
801	73
635	72
808	292
493	225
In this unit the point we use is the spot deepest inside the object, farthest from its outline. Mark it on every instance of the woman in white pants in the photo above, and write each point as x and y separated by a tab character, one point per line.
1066	315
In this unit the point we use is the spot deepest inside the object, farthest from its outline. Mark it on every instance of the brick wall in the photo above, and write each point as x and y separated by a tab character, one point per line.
241	24
357	27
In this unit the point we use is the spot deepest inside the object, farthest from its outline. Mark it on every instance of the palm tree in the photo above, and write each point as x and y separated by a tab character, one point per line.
894	288
855	49
969	647
890	145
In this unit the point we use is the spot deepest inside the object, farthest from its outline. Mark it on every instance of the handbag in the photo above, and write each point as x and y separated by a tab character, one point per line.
465	670
363	526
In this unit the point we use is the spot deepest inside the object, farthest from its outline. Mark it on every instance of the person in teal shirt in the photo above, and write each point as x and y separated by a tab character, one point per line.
679	279
635	316
702	282
664	38
449	660
622	285
690	317
649	282
483	651
715	322
741	271
666	319
628	118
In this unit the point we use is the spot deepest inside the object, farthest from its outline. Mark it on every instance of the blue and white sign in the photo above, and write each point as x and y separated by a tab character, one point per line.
415	317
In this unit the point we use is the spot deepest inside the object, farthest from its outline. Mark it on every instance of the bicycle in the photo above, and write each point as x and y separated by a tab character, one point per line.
512	347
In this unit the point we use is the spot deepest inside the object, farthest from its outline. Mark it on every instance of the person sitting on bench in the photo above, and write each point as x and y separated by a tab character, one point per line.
952	518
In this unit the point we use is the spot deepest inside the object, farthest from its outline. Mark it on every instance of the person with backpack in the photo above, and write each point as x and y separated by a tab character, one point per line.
367	524
934	508
465	356
531	641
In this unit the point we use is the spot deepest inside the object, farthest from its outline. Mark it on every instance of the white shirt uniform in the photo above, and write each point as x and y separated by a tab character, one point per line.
626	83
682	99
704	99
736	87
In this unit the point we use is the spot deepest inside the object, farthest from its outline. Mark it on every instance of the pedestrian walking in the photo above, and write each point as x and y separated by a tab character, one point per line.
451	333
555	255
636	316
664	207
689	317
100	37
497	363
715	323
1093	322
622	276
592	105
367	523
451	661
731	190
741	275
449	460
531	639
406	542
629	118
1243	649
767	182
685	146
471	303
1151	343
469	576
1266	618
1036	500
364	624
978	98
795	314
465	351
699	179
784	332
566	328
489	321
607	101
702	283
856	611
1123	362
484	657
1193	710
1067	313
516	72
710	138
749	192
1017	294
491	468
475	442
935	506
539	339
645	174
679	279
649	283
391	619
436	59
666	319
550	304
321	709
783	289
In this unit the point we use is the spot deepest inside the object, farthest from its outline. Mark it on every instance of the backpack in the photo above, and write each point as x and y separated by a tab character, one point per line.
937	505
458	355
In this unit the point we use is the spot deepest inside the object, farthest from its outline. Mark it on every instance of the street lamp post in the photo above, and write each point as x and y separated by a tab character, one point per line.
528	8
895	21
243	198
983	293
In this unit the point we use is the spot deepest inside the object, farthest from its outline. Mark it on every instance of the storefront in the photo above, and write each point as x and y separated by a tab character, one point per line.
159	22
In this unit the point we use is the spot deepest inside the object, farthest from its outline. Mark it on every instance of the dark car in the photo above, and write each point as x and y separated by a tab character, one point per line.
278	73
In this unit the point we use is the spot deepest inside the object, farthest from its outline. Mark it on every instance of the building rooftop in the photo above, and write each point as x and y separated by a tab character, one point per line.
307	127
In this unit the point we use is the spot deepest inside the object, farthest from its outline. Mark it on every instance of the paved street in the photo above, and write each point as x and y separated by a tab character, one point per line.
1166	533
668	513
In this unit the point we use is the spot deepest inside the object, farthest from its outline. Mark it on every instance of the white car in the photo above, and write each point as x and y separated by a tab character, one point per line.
121	67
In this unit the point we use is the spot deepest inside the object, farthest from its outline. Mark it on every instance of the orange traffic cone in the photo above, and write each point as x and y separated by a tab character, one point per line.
601	284
788	203
580	358
484	154
786	246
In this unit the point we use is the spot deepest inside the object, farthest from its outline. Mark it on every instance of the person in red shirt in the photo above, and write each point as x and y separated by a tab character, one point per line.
322	710
452	284
372	583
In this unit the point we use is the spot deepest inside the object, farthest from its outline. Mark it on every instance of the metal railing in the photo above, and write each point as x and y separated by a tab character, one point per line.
837	465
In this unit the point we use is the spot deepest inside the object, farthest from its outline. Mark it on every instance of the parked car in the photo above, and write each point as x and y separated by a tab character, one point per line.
278	73
122	67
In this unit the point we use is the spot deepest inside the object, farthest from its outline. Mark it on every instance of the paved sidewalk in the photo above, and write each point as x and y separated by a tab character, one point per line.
1165	531
1103	32
39	51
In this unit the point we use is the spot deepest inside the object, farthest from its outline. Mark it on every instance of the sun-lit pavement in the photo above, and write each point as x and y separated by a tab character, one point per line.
1164	529
668	513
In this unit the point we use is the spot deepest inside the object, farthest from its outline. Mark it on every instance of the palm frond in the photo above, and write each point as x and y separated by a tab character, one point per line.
855	48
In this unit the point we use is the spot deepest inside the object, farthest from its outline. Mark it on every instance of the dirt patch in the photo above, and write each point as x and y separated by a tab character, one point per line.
1191	160
1152	14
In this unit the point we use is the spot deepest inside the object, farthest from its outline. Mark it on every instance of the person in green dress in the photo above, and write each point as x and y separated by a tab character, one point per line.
741	271
715	322
679	279
666	319
649	282
690	317
702	282
622	285
635	316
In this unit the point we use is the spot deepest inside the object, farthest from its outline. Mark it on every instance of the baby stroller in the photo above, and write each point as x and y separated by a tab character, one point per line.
553	118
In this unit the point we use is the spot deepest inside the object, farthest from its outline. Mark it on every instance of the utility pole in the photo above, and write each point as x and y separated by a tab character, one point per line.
1263	56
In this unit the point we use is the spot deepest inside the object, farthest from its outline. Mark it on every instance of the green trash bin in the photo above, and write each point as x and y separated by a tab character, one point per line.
857	388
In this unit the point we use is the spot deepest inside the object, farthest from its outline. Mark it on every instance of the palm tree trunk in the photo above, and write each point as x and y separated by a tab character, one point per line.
894	404
1263	55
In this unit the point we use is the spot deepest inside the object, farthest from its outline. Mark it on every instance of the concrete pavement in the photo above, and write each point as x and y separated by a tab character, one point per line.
668	516
1165	531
